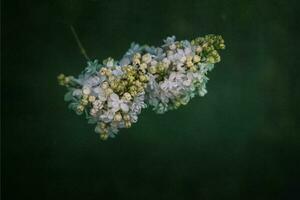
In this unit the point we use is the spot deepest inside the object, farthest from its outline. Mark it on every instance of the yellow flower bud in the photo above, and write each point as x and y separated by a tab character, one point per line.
133	93
92	98
120	88
189	59
108	72
61	77
84	102
104	85
193	68
143	78
177	104
103	71
127	124
196	58
198	49
214	53
152	69
140	89
137	83
160	68
189	64
127	96
137	56
146	58
136	61
118	117
86	90
102	125
143	67
111	78
80	108
109	91
85	96
217	58
114	84
67	80
211	59
103	136
126	117
130	78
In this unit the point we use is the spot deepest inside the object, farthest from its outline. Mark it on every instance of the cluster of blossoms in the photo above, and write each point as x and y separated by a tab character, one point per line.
113	94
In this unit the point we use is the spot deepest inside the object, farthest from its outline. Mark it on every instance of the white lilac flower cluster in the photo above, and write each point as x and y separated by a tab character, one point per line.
113	94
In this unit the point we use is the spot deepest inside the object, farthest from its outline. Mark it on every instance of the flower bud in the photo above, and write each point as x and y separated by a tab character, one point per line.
80	108
146	58
126	117
196	58
127	124
152	69
104	136
84	102
86	90
118	117
92	98
104	85
127	96
136	61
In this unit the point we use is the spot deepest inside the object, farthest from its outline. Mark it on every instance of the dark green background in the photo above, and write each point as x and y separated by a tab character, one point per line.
241	141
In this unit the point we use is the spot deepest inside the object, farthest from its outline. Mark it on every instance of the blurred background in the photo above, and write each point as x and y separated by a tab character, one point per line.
241	141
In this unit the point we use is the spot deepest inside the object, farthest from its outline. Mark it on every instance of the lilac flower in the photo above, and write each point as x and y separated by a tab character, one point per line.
113	94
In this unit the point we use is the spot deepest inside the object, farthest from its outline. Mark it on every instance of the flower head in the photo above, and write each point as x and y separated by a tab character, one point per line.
114	93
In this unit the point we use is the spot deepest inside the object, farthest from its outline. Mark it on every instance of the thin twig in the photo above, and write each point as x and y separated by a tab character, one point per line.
82	50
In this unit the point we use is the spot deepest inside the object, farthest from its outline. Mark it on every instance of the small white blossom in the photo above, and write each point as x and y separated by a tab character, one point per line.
146	58
86	90
116	104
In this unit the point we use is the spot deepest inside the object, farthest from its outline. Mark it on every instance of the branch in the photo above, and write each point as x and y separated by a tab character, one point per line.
82	50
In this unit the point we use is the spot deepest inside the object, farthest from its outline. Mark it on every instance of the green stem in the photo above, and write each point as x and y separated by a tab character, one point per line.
82	50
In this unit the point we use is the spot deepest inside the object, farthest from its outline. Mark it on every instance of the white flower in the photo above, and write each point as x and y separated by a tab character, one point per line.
133	117
187	82
146	58
169	40
102	95
124	61
153	63
97	104
189	79
117	71
138	104
92	81
104	85
188	51
172	46
110	62
86	90
116	104
182	59
107	116
166	61
93	112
